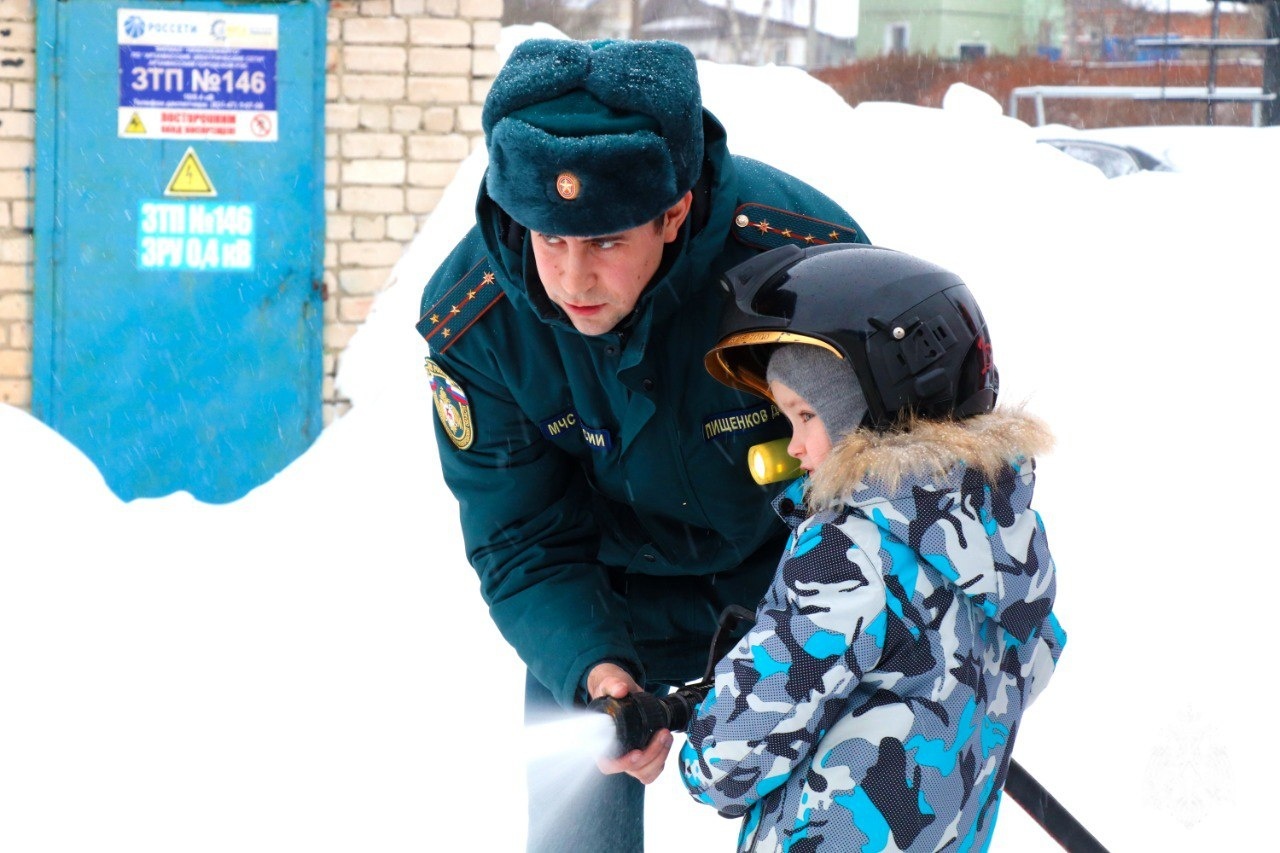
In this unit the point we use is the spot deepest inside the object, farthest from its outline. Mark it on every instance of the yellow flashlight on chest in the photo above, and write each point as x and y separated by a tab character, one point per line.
770	463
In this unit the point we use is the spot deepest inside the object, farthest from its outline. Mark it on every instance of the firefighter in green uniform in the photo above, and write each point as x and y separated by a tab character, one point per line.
600	471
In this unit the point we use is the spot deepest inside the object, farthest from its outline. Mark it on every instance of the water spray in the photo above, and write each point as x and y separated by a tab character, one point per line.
637	717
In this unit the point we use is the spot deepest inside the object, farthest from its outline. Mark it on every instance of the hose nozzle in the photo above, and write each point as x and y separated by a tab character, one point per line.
637	717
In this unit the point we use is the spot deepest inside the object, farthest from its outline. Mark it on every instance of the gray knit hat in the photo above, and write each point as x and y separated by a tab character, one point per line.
825	380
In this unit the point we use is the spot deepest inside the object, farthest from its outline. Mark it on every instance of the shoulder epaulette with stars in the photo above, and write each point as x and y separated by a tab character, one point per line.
460	307
770	227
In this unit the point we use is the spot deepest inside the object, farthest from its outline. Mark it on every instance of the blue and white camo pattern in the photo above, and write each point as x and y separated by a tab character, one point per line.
874	705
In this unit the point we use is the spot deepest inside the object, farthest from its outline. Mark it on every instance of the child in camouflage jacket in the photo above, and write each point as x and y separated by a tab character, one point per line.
875	703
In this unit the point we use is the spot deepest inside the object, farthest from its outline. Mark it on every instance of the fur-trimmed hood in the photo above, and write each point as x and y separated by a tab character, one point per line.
955	495
926	452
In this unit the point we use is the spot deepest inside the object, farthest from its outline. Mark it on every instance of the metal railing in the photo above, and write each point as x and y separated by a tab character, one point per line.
1204	44
1038	94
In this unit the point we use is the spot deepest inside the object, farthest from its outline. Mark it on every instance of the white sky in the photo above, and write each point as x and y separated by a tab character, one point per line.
311	668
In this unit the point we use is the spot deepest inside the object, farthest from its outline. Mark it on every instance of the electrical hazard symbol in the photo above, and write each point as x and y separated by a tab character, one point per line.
135	125
190	178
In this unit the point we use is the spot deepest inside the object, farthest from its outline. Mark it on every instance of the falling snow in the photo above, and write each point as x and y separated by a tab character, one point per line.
311	667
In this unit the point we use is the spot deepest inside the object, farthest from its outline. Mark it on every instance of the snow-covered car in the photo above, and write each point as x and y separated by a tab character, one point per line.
1113	158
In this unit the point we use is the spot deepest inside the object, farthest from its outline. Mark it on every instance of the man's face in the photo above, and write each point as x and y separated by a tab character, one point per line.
597	280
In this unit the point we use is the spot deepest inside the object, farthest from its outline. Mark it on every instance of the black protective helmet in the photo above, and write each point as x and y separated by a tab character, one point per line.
912	330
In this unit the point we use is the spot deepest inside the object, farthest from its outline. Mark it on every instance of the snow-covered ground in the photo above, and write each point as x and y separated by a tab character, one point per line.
311	668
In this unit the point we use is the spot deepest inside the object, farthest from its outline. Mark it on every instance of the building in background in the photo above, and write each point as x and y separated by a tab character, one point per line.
1105	30
961	31
802	33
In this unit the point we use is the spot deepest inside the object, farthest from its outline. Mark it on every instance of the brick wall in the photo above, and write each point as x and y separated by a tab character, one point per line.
17	154
404	83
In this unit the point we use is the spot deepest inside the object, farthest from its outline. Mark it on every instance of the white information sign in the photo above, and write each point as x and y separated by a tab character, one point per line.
208	76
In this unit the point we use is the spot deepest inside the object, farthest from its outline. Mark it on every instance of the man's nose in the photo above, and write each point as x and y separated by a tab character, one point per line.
575	273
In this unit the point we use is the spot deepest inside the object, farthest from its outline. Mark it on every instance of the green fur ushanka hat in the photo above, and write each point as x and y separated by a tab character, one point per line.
593	138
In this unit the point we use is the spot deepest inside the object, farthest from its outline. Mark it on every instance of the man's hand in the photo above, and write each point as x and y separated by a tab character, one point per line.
607	679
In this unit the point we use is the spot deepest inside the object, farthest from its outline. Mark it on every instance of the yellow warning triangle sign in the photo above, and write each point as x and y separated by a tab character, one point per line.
135	125
190	178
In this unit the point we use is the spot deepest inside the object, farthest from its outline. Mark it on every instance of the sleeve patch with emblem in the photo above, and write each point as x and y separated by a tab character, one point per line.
452	406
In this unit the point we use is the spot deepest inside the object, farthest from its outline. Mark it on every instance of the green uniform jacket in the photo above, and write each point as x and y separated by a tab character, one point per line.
602	480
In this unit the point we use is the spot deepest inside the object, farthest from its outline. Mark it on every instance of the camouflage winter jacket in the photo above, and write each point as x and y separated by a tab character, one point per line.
875	703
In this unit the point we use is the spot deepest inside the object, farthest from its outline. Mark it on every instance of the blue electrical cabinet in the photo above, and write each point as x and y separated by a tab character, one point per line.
179	234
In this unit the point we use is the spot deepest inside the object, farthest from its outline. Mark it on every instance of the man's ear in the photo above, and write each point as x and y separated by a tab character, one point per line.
675	217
